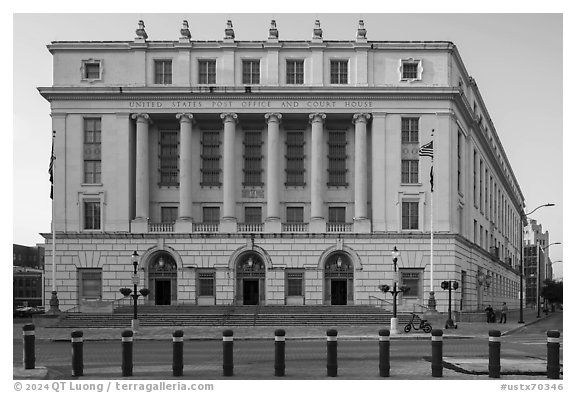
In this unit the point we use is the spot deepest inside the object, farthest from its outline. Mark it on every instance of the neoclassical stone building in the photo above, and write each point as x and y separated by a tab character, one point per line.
277	172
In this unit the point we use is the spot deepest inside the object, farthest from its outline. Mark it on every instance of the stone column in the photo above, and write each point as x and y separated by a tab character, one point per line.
229	187
273	223
140	222
184	222
361	222
317	178
380	152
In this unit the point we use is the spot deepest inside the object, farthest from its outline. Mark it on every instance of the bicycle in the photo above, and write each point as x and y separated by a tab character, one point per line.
423	325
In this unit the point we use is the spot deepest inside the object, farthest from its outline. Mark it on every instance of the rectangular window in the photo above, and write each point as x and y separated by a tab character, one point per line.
337	158
294	214
253	158
409	215
169	158
206	72
410	130
92	215
211	215
294	282
91	70
411	278
210	158
206	280
475	232
481	174
459	152
168	214
90	281
475	179
409	70
92	151
410	171
295	158
251	72
163	72
295	72
339	72
337	214
92	171
486	190
253	215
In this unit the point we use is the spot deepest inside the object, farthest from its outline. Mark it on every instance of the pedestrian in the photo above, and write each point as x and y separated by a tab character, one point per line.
503	312
489	314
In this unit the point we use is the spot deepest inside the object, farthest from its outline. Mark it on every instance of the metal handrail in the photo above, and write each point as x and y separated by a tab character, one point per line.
379	300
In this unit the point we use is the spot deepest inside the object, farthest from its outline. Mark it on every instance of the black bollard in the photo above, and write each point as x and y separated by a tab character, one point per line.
77	353
178	353
127	346
29	352
384	346
437	353
332	353
553	363
279	353
228	353
494	353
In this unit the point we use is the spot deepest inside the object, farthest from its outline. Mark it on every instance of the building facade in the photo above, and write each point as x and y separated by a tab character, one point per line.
277	172
27	276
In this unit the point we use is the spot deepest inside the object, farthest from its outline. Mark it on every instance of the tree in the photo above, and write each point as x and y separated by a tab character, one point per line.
552	292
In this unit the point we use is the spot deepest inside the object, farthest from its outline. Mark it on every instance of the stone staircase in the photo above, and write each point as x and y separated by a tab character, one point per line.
189	315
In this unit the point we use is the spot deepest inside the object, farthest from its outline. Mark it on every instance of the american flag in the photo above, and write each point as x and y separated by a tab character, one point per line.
427	150
51	167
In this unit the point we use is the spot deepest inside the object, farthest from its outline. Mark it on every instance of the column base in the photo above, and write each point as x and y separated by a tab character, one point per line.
431	304
139	225
394	326
135	325
183	225
317	225
54	304
273	225
228	225
362	225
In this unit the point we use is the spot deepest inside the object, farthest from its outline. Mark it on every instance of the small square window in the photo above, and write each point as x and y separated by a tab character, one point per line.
91	70
410	69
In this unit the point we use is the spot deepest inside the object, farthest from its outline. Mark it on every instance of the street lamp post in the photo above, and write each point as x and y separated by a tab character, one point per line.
525	216
395	291
449	285
135	293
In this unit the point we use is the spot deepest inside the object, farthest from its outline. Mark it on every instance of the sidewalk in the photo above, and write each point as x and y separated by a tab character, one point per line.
454	368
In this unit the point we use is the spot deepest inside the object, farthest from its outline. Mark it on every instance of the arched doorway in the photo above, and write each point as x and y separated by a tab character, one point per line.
250	279
338	279
162	279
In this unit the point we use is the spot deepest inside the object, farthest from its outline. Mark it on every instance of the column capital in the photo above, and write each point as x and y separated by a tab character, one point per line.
142	117
364	117
229	117
317	117
185	117
273	115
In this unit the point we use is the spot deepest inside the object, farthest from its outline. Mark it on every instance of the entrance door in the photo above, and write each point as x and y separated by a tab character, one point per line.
338	292
251	292
163	292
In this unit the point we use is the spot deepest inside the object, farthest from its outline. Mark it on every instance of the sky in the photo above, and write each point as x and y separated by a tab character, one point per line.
516	60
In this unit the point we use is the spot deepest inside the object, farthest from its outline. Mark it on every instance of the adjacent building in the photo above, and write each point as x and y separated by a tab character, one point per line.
27	276
277	172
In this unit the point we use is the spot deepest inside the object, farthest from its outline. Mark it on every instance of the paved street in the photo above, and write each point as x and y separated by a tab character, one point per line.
465	352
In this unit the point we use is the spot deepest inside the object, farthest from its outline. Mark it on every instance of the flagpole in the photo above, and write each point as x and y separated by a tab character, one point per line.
54	302
431	299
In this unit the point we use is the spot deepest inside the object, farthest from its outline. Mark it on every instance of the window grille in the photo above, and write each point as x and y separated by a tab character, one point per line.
206	284
90	281
337	158
412	279
294	283
211	158
409	215
169	158
169	214
337	214
211	215
92	71
295	158
410	71
339	72
253	158
253	215
294	214
295	72
163	72
207	72
251	72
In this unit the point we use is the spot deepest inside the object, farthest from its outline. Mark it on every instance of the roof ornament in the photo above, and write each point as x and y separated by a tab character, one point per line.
361	34
317	31
273	32
229	32
140	32
184	31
